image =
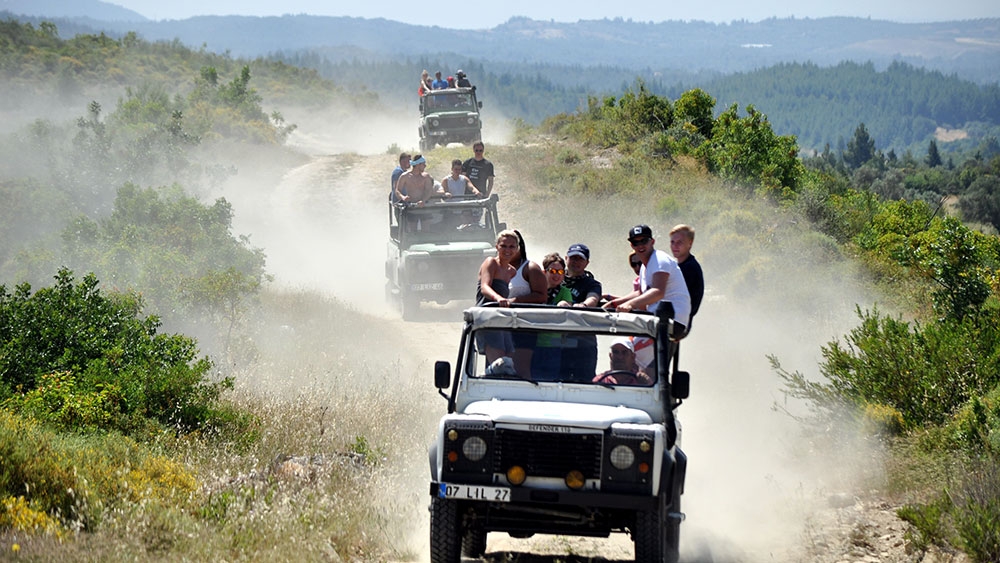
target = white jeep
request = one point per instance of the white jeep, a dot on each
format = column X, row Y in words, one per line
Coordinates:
column 539, row 441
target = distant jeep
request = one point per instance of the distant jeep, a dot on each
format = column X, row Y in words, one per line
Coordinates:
column 539, row 443
column 449, row 116
column 435, row 251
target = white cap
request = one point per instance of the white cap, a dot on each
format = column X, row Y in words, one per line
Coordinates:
column 624, row 341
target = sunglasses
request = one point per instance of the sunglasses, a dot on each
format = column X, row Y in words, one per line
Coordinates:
column 636, row 264
column 477, row 150
column 639, row 241
column 559, row 271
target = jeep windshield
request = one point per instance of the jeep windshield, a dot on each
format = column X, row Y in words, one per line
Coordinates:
column 447, row 101
column 444, row 222
column 561, row 345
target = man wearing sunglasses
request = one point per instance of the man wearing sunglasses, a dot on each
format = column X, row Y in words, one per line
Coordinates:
column 660, row 279
column 479, row 170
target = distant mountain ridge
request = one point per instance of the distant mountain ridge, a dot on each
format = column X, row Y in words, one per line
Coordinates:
column 968, row 48
column 94, row 9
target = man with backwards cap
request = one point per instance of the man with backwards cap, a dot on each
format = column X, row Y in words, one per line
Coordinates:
column 579, row 356
column 660, row 279
column 461, row 80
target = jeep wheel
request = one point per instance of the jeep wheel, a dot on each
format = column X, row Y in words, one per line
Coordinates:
column 409, row 306
column 474, row 543
column 445, row 540
column 425, row 145
column 657, row 534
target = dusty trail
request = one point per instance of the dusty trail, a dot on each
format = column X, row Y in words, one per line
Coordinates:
column 324, row 229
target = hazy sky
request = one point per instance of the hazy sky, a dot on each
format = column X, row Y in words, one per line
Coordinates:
column 476, row 15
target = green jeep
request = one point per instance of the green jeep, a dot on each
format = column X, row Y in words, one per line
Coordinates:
column 449, row 116
column 435, row 250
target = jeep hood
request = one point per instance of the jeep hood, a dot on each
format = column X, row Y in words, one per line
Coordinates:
column 561, row 414
column 436, row 247
column 450, row 113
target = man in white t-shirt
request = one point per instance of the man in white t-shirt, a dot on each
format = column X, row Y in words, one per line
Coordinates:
column 660, row 279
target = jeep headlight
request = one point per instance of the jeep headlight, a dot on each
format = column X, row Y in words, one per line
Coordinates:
column 474, row 448
column 468, row 451
column 435, row 123
column 471, row 120
column 622, row 457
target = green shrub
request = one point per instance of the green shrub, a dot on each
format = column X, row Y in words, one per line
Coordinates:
column 73, row 479
column 978, row 524
column 882, row 420
column 568, row 156
column 180, row 251
column 929, row 521
column 926, row 372
column 80, row 359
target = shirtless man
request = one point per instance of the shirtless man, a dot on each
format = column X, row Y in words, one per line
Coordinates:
column 416, row 185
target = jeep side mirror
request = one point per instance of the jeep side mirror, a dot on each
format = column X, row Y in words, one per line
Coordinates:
column 501, row 226
column 480, row 105
column 442, row 374
column 680, row 387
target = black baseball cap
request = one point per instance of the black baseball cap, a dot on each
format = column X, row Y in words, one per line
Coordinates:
column 640, row 231
column 579, row 249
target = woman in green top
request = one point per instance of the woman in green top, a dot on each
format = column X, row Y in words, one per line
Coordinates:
column 548, row 352
column 555, row 272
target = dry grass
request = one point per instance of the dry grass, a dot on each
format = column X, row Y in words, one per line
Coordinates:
column 338, row 471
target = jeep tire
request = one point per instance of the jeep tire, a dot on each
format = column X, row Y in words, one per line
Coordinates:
column 446, row 542
column 657, row 532
column 409, row 305
column 474, row 543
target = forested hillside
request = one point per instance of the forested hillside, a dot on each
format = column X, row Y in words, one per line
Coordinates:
column 902, row 106
column 969, row 48
column 849, row 71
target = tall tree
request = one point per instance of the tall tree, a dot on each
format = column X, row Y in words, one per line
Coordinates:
column 695, row 106
column 933, row 156
column 860, row 149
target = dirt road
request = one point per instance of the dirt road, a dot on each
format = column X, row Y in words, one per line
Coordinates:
column 754, row 491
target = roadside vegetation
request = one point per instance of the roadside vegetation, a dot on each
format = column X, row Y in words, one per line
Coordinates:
column 925, row 380
column 117, row 438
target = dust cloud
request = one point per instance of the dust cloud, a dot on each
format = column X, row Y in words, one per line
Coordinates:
column 753, row 481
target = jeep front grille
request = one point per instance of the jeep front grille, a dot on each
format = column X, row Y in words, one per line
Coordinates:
column 543, row 454
column 454, row 270
column 452, row 122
